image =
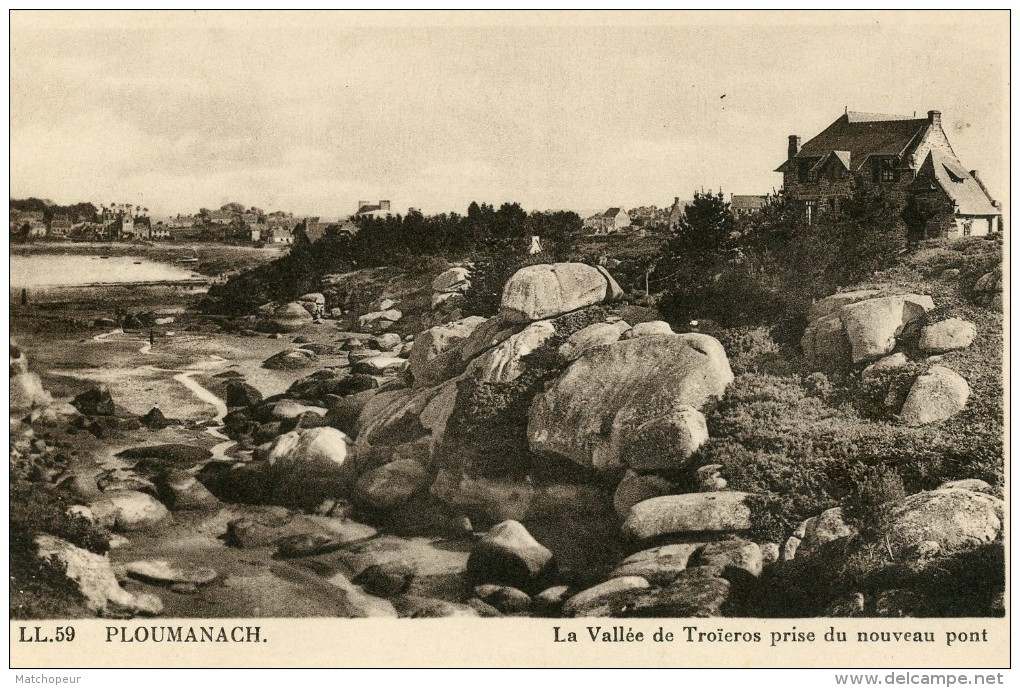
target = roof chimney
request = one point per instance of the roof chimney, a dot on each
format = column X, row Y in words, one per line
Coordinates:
column 676, row 200
column 794, row 146
column 935, row 117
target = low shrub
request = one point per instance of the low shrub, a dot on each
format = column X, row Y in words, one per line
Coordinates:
column 39, row 589
column 870, row 501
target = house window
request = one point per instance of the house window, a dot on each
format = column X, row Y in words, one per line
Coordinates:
column 811, row 210
column 832, row 205
column 967, row 226
column 884, row 170
column 804, row 171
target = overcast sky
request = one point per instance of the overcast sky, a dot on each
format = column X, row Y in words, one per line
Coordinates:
column 311, row 113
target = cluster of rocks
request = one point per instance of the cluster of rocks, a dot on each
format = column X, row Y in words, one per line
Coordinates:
column 605, row 416
column 872, row 332
column 382, row 319
column 34, row 459
column 540, row 462
column 449, row 287
column 953, row 518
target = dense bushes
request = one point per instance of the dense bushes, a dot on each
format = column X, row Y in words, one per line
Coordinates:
column 496, row 239
column 771, row 266
column 806, row 443
column 39, row 589
column 967, row 584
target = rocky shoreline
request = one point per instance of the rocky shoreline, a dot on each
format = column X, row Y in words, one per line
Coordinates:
column 541, row 462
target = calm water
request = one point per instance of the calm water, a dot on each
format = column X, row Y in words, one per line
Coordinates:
column 31, row 271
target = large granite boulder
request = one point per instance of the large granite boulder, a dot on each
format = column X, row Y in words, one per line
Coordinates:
column 832, row 305
column 539, row 292
column 988, row 289
column 872, row 325
column 825, row 344
column 290, row 317
column 694, row 593
column 937, row 395
column 597, row 334
column 659, row 565
column 379, row 321
column 858, row 327
column 503, row 362
column 452, row 280
column 240, row 393
column 293, row 359
column 95, row 402
column 954, row 518
column 602, row 404
column 404, row 415
column 508, row 555
column 391, row 485
column 685, row 514
column 947, row 335
column 821, row 529
column 665, row 442
column 729, row 554
column 128, row 510
column 95, row 579
column 646, row 329
column 380, row 365
column 307, row 466
column 584, row 602
column 433, row 343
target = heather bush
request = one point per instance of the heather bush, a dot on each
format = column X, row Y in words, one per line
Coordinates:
column 39, row 589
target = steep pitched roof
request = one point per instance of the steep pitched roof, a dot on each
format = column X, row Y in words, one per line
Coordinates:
column 738, row 202
column 965, row 191
column 857, row 135
column 612, row 212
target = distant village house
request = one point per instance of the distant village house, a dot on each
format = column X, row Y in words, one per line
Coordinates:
column 367, row 209
column 60, row 224
column 608, row 222
column 743, row 205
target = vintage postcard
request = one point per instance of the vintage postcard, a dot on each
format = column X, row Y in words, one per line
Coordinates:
column 499, row 339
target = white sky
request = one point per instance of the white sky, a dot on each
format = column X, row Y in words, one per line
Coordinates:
column 313, row 112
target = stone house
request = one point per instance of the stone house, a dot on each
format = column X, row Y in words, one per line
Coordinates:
column 367, row 209
column 182, row 222
column 60, row 224
column 744, row 205
column 910, row 158
column 280, row 234
column 221, row 217
column 612, row 220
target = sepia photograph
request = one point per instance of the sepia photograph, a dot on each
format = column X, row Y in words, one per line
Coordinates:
column 539, row 320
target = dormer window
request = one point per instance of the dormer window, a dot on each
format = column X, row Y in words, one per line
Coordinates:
column 884, row 170
column 804, row 171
